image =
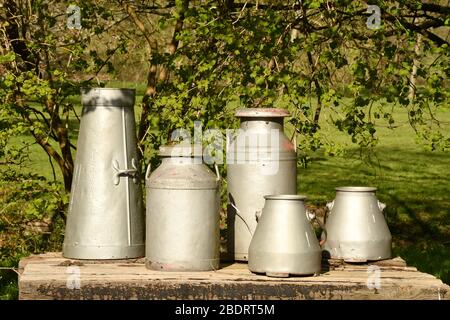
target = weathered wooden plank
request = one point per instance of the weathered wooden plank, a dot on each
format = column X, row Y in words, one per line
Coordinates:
column 224, row 290
column 114, row 270
column 46, row 277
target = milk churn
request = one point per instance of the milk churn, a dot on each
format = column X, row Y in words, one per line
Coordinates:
column 182, row 212
column 356, row 227
column 261, row 160
column 106, row 217
column 284, row 242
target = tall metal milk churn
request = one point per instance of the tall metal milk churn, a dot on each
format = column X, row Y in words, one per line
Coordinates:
column 284, row 242
column 182, row 212
column 261, row 161
column 356, row 227
column 106, row 218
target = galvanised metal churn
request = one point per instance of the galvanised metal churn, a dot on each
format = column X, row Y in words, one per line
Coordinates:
column 182, row 212
column 261, row 160
column 284, row 242
column 356, row 228
column 106, row 217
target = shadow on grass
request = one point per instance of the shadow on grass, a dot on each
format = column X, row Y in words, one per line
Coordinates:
column 433, row 258
column 422, row 241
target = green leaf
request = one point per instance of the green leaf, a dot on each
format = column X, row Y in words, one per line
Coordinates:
column 9, row 57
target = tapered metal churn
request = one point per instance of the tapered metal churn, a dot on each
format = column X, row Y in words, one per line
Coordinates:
column 106, row 218
column 284, row 242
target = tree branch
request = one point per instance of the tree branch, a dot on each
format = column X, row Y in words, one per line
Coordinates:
column 163, row 75
column 138, row 22
column 430, row 7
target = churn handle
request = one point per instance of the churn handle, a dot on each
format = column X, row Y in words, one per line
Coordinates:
column 216, row 167
column 237, row 212
column 382, row 206
column 330, row 205
column 258, row 214
column 312, row 216
column 148, row 171
column 294, row 141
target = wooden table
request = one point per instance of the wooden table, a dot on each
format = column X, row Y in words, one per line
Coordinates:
column 49, row 276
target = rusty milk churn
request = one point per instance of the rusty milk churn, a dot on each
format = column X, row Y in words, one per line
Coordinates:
column 284, row 242
column 356, row 229
column 261, row 161
column 106, row 217
column 182, row 212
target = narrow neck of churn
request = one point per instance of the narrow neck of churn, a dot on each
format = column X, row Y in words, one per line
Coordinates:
column 265, row 123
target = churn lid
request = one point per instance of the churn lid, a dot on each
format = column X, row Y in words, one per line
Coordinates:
column 182, row 169
column 107, row 97
column 262, row 112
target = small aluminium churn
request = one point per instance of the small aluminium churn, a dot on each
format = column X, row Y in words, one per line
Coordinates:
column 356, row 226
column 106, row 217
column 261, row 160
column 182, row 212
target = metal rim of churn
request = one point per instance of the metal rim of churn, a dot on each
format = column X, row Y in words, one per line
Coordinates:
column 285, row 197
column 108, row 97
column 356, row 189
column 262, row 112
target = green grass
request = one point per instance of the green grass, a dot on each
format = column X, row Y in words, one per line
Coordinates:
column 8, row 286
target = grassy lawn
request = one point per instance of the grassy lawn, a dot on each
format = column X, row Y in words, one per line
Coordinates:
column 413, row 182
